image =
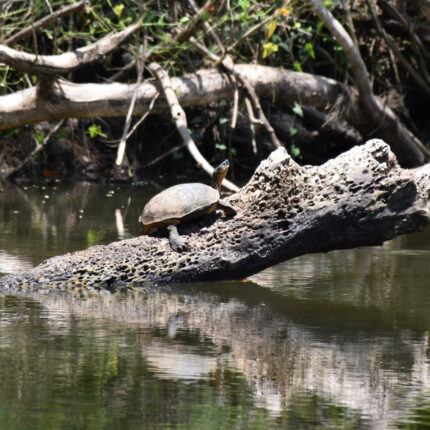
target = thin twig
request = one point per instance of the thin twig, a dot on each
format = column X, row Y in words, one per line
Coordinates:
column 143, row 117
column 228, row 65
column 123, row 142
column 252, row 122
column 45, row 21
column 235, row 105
column 423, row 83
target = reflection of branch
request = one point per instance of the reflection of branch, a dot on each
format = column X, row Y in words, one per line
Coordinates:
column 45, row 21
column 67, row 62
column 180, row 119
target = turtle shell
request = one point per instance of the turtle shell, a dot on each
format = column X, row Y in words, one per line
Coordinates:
column 177, row 203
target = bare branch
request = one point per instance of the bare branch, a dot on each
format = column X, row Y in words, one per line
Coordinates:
column 180, row 119
column 228, row 65
column 67, row 62
column 416, row 76
column 382, row 121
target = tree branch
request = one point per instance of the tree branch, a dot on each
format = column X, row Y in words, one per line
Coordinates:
column 67, row 62
column 382, row 120
column 180, row 119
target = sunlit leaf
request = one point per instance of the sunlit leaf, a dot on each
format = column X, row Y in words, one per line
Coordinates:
column 297, row 109
column 118, row 10
column 244, row 4
column 310, row 50
column 271, row 28
column 269, row 48
column 92, row 237
column 95, row 130
column 297, row 66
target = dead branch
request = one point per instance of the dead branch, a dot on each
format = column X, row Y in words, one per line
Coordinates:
column 227, row 64
column 67, row 62
column 178, row 115
column 123, row 142
column 382, row 121
column 416, row 76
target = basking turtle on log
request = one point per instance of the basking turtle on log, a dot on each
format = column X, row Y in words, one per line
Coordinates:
column 184, row 202
column 362, row 197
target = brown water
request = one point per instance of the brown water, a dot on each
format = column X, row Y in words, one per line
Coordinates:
column 336, row 340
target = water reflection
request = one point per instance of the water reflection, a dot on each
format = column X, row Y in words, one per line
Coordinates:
column 40, row 221
column 330, row 340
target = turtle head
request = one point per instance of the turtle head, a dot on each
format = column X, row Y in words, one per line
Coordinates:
column 219, row 174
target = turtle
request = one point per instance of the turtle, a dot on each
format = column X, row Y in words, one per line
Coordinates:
column 183, row 202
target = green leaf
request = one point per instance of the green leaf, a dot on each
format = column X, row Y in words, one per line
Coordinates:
column 95, row 130
column 221, row 146
column 297, row 109
column 39, row 137
column 293, row 130
column 205, row 16
column 297, row 66
column 244, row 4
column 310, row 50
column 118, row 10
column 295, row 150
column 269, row 48
column 271, row 28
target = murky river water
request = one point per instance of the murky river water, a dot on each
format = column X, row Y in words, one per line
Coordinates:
column 337, row 340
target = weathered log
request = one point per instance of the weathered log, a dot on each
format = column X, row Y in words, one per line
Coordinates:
column 360, row 198
column 68, row 100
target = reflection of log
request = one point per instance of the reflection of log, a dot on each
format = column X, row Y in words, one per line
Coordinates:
column 360, row 198
column 283, row 346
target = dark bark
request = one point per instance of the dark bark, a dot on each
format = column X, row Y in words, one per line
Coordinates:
column 360, row 198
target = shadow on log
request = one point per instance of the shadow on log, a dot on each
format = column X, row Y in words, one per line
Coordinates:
column 360, row 198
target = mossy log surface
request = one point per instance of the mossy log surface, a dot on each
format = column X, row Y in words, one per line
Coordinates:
column 360, row 198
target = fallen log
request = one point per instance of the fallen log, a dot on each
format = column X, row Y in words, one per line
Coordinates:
column 64, row 100
column 360, row 198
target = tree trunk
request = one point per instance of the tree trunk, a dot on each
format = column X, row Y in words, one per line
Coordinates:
column 360, row 198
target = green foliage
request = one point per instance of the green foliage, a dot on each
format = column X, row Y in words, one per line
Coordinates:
column 95, row 130
column 292, row 37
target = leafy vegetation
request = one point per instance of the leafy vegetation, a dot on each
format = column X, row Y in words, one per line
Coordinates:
column 392, row 37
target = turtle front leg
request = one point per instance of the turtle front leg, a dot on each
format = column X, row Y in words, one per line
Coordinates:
column 175, row 240
column 228, row 210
